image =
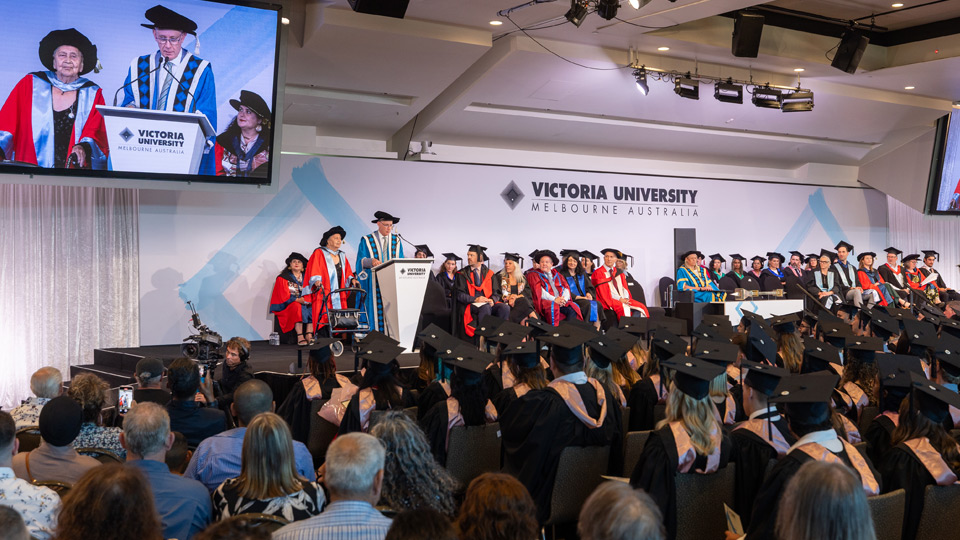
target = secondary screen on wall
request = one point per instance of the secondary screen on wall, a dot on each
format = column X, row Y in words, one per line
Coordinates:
column 946, row 190
column 177, row 90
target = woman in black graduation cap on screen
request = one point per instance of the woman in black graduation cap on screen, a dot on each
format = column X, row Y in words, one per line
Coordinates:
column 688, row 441
column 323, row 378
column 379, row 387
column 467, row 404
column 243, row 149
column 923, row 453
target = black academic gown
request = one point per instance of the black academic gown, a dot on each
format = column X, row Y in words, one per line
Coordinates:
column 521, row 306
column 656, row 472
column 491, row 380
column 503, row 400
column 753, row 456
column 351, row 417
column 538, row 426
column 901, row 469
column 435, row 425
column 431, row 395
column 877, row 436
column 642, row 401
column 763, row 518
column 295, row 409
column 449, row 288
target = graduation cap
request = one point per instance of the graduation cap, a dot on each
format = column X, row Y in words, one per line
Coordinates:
column 717, row 352
column 806, row 398
column 294, row 256
column 437, row 339
column 798, row 254
column 757, row 258
column 721, row 321
column 950, row 327
column 932, row 313
column 750, row 318
column 539, row 327
column 930, row 253
column 899, row 313
column 843, row 244
column 828, row 253
column 584, row 254
column 605, row 350
column 811, row 318
column 163, row 18
column 910, row 257
column 692, row 376
column 763, row 378
column 468, row 358
column 947, row 353
column 375, row 337
column 919, row 333
column 883, row 325
column 508, row 332
column 332, row 231
column 850, row 309
column 760, row 346
column 718, row 257
column 625, row 339
column 488, row 325
column 812, row 256
column 583, row 325
column 525, row 354
column 481, row 251
column 320, row 351
column 895, row 370
column 736, row 256
column 707, row 331
column 423, row 248
column 565, row 253
column 627, row 258
column 451, row 257
column 785, row 324
column 864, row 348
column 634, row 325
column 616, row 252
column 865, row 254
column 566, row 344
column 58, row 38
column 666, row 344
column 381, row 357
column 774, row 255
column 835, row 333
column 933, row 400
column 539, row 254
column 817, row 356
column 894, row 251
column 380, row 215
column 515, row 257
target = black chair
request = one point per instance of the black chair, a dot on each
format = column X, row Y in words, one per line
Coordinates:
column 267, row 522
column 473, row 450
column 659, row 412
column 321, row 435
column 941, row 506
column 29, row 438
column 700, row 499
column 769, row 282
column 632, row 449
column 727, row 283
column 888, row 512
column 666, row 285
column 636, row 291
column 867, row 416
column 100, row 454
column 578, row 474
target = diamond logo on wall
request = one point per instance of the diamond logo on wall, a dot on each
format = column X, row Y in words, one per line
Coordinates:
column 512, row 195
column 126, row 134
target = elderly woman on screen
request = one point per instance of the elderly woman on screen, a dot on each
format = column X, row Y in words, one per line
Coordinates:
column 50, row 118
column 243, row 149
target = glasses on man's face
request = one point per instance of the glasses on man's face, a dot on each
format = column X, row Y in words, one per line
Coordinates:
column 169, row 40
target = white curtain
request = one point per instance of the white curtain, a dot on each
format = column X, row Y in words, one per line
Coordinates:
column 912, row 231
column 68, row 279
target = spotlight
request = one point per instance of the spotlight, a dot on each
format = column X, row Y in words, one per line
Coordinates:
column 577, row 12
column 686, row 87
column 801, row 100
column 766, row 97
column 728, row 92
column 641, row 76
column 607, row 9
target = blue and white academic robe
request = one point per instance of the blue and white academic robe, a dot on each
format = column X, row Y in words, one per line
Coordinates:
column 370, row 249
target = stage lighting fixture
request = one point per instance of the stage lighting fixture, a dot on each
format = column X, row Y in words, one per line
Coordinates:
column 641, row 76
column 577, row 12
column 766, row 97
column 607, row 9
column 801, row 100
column 637, row 4
column 728, row 92
column 686, row 87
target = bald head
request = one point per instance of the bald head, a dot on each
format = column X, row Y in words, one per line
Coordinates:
column 46, row 382
column 252, row 398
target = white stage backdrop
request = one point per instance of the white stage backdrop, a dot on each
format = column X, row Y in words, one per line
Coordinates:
column 223, row 251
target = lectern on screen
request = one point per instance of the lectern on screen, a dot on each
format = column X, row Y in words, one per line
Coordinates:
column 150, row 89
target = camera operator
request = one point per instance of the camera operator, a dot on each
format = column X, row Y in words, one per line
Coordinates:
column 235, row 370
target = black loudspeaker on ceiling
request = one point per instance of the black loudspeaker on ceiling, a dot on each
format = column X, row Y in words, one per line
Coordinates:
column 387, row 8
column 850, row 51
column 747, row 29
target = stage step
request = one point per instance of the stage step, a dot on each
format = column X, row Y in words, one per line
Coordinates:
column 114, row 377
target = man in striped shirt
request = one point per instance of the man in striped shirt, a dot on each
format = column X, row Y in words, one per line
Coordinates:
column 353, row 474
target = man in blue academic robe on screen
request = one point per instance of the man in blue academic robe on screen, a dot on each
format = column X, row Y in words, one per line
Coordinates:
column 377, row 248
column 173, row 79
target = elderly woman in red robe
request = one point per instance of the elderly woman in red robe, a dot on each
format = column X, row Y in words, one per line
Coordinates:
column 551, row 295
column 329, row 269
column 50, row 118
column 290, row 301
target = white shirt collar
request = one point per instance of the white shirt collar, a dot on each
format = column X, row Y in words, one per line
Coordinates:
column 827, row 438
column 762, row 412
column 577, row 377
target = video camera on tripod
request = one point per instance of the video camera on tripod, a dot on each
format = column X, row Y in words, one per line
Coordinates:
column 204, row 346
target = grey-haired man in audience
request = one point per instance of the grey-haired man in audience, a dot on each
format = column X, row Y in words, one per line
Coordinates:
column 46, row 383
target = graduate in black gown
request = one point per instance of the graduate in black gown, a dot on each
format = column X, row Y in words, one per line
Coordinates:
column 522, row 361
column 688, row 441
column 652, row 389
column 323, row 378
column 806, row 402
column 379, row 389
column 573, row 410
column 895, row 384
column 923, row 453
column 723, row 355
column 498, row 333
column 510, row 287
column 447, row 277
column 467, row 404
column 763, row 437
column 436, row 343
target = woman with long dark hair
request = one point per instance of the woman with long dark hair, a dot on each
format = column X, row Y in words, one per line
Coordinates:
column 379, row 390
column 581, row 287
column 524, row 366
column 243, row 149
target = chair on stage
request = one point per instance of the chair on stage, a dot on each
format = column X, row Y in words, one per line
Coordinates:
column 578, row 474
column 941, row 506
column 888, row 512
column 700, row 499
column 473, row 450
column 769, row 282
column 632, row 449
column 666, row 286
column 727, row 284
column 637, row 293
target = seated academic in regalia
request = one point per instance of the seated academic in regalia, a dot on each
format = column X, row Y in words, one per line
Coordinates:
column 895, row 384
column 319, row 384
column 772, row 277
column 806, row 402
column 764, row 436
column 581, row 286
column 552, row 298
column 511, row 288
column 474, row 294
column 379, row 389
column 467, row 404
column 734, row 278
column 824, row 284
column 693, row 277
column 612, row 291
column 652, row 389
column 574, row 410
column 689, row 440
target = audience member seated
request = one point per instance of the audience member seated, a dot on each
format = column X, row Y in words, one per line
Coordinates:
column 194, row 419
column 150, row 382
column 420, row 525
column 412, row 478
column 824, row 500
column 178, row 456
column 110, row 503
column 497, row 507
column 353, row 475
column 56, row 459
column 218, row 458
column 269, row 481
column 235, row 529
column 90, row 392
column 12, row 526
column 380, row 389
column 234, row 370
column 615, row 511
column 524, row 366
column 37, row 506
column 183, row 504
column 46, row 383
column 319, row 385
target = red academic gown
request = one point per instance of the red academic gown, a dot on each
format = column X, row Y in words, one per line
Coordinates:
column 317, row 266
column 284, row 288
column 601, row 280
column 16, row 119
column 546, row 310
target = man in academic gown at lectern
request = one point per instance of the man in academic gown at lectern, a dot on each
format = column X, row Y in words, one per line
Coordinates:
column 374, row 249
column 574, row 410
